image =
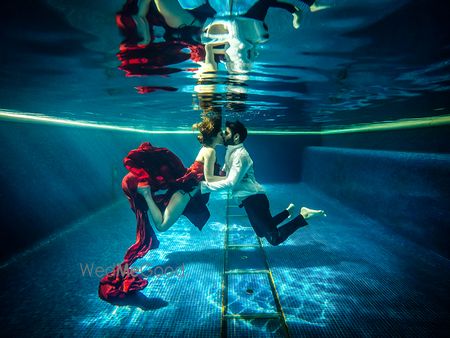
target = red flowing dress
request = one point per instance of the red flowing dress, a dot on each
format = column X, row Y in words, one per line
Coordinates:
column 162, row 170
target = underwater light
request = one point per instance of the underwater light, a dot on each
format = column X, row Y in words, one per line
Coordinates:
column 20, row 116
column 422, row 122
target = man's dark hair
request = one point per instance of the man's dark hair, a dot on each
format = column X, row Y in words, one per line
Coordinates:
column 237, row 127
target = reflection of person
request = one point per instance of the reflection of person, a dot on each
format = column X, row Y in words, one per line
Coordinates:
column 156, row 58
column 259, row 10
column 237, row 37
column 250, row 194
column 178, row 22
column 184, row 188
column 175, row 17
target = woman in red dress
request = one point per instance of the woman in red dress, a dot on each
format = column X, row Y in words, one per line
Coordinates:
column 153, row 169
column 203, row 168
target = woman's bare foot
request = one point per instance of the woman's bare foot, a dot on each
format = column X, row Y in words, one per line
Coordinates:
column 309, row 213
column 290, row 209
column 297, row 18
column 144, row 190
column 142, row 30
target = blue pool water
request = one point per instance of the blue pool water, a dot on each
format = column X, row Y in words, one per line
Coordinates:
column 349, row 64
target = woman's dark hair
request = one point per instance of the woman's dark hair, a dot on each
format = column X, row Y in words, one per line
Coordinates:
column 237, row 127
column 208, row 128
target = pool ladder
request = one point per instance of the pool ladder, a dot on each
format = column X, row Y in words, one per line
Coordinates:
column 231, row 211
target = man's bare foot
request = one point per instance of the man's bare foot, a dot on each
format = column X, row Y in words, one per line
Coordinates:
column 290, row 209
column 318, row 7
column 309, row 213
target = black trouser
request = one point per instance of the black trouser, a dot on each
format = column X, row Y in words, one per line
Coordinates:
column 259, row 10
column 265, row 225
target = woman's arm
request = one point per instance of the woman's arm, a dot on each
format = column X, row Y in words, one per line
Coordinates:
column 209, row 159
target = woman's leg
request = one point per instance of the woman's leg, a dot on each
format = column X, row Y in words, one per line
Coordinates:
column 142, row 27
column 155, row 213
column 174, row 14
column 173, row 211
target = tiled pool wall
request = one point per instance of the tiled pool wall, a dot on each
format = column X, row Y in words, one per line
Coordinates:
column 53, row 175
column 401, row 179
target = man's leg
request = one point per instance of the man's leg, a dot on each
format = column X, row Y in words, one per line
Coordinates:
column 289, row 228
column 277, row 219
column 258, row 211
column 283, row 232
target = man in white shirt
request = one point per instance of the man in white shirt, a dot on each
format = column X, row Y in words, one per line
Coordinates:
column 248, row 193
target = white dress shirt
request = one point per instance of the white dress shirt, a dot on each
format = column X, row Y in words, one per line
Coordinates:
column 240, row 175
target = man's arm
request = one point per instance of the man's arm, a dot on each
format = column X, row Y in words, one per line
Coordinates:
column 237, row 171
column 224, row 168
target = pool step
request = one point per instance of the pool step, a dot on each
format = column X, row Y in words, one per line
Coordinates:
column 248, row 289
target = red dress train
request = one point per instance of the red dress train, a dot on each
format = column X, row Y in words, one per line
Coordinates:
column 162, row 170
